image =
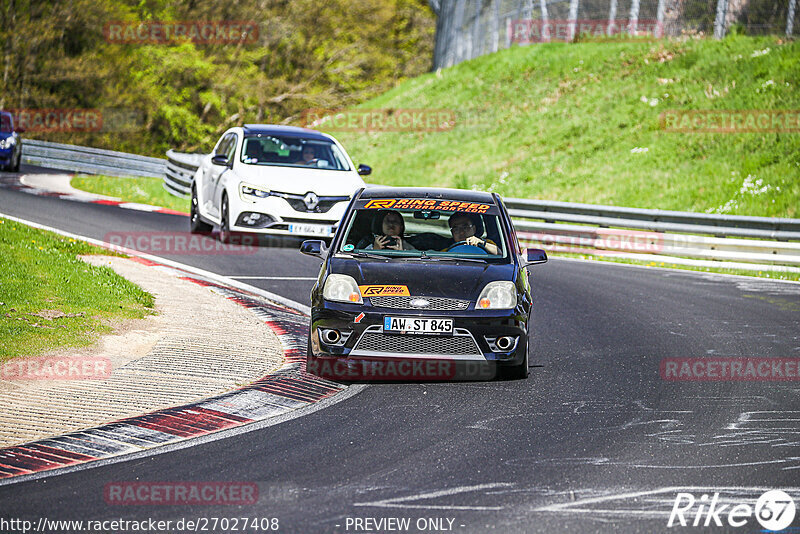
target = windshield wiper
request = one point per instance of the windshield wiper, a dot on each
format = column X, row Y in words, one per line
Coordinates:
column 425, row 257
column 368, row 255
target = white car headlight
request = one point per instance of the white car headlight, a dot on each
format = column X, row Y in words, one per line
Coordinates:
column 498, row 295
column 249, row 190
column 8, row 142
column 342, row 288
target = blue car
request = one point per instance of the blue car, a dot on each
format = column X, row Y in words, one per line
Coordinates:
column 421, row 284
column 10, row 143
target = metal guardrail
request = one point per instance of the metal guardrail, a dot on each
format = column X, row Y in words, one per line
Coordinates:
column 656, row 220
column 90, row 160
column 557, row 226
column 607, row 230
column 180, row 171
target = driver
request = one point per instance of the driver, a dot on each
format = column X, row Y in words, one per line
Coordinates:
column 309, row 157
column 463, row 227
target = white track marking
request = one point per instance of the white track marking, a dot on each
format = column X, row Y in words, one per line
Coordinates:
column 398, row 502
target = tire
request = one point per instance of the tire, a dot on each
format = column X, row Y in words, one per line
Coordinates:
column 311, row 361
column 224, row 222
column 518, row 372
column 15, row 167
column 196, row 225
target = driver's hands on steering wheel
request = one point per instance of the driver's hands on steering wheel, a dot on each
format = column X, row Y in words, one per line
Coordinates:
column 475, row 241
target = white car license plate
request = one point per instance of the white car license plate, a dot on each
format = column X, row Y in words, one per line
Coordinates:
column 316, row 229
column 417, row 325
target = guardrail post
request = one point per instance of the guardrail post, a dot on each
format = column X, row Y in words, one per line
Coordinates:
column 573, row 18
column 719, row 22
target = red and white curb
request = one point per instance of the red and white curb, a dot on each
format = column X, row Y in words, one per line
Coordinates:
column 17, row 183
column 272, row 397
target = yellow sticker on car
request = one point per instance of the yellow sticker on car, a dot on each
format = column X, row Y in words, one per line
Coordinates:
column 384, row 291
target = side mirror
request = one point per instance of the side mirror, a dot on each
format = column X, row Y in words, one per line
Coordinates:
column 364, row 170
column 536, row 255
column 220, row 159
column 314, row 247
column 20, row 130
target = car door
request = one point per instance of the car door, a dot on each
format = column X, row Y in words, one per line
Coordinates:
column 219, row 179
column 212, row 175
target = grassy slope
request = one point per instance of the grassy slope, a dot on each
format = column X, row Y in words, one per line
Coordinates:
column 559, row 121
column 40, row 271
column 142, row 190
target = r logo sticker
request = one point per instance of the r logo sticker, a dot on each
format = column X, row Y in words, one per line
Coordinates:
column 380, row 203
column 381, row 291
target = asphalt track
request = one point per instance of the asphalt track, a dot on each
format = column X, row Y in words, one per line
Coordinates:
column 594, row 441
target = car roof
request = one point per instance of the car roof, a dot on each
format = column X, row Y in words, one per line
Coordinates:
column 428, row 192
column 278, row 129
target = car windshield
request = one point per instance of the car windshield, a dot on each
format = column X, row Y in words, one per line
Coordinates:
column 5, row 123
column 287, row 151
column 449, row 232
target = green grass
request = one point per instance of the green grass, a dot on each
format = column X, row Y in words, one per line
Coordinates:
column 141, row 190
column 561, row 121
column 41, row 277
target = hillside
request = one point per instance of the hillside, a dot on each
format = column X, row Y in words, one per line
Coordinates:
column 580, row 123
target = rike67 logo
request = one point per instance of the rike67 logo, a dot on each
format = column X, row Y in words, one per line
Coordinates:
column 774, row 511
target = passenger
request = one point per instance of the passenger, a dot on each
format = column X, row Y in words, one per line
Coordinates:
column 463, row 227
column 391, row 231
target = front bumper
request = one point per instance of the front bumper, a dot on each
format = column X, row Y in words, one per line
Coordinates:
column 471, row 352
column 276, row 216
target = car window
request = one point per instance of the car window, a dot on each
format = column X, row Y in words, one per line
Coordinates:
column 288, row 151
column 6, row 124
column 427, row 232
column 231, row 147
column 223, row 145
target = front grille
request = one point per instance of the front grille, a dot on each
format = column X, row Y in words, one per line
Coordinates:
column 324, row 206
column 404, row 303
column 376, row 342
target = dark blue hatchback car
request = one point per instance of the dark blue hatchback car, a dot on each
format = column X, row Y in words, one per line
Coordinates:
column 10, row 143
column 421, row 284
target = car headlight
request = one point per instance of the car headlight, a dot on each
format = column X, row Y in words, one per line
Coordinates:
column 249, row 190
column 8, row 142
column 342, row 288
column 499, row 295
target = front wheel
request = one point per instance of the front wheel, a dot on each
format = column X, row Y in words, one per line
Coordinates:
column 15, row 166
column 224, row 222
column 196, row 225
column 518, row 372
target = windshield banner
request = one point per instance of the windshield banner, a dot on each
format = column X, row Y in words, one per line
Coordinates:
column 432, row 204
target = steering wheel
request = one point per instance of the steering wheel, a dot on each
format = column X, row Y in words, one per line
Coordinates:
column 312, row 161
column 482, row 246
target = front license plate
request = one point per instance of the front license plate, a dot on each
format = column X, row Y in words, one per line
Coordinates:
column 315, row 229
column 417, row 325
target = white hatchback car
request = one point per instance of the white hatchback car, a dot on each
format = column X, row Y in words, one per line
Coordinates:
column 269, row 179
